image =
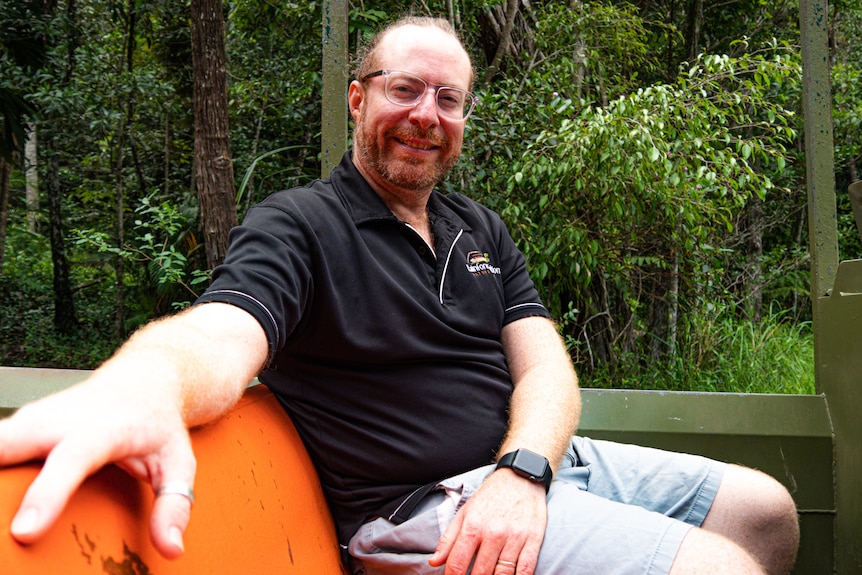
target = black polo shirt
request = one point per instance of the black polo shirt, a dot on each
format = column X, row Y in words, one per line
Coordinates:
column 387, row 358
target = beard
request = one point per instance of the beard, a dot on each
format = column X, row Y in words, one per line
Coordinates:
column 407, row 173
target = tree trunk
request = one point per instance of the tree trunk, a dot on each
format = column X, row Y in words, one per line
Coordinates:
column 505, row 42
column 579, row 54
column 166, row 186
column 671, row 22
column 213, row 165
column 64, row 306
column 754, row 265
column 119, row 268
column 5, row 181
column 31, row 174
column 673, row 305
column 692, row 35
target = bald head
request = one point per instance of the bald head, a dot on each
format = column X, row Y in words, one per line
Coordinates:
column 368, row 56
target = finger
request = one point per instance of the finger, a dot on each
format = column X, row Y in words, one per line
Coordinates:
column 463, row 550
column 22, row 440
column 505, row 567
column 444, row 544
column 65, row 469
column 172, row 511
column 529, row 557
column 168, row 523
column 494, row 555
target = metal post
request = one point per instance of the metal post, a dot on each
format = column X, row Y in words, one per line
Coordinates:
column 819, row 161
column 836, row 292
column 333, row 137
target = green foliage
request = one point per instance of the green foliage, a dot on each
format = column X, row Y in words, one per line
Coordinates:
column 26, row 324
column 631, row 173
column 164, row 244
column 632, row 213
column 720, row 353
column 661, row 171
column 847, row 123
column 274, row 94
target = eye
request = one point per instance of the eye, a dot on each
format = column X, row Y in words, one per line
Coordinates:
column 405, row 89
column 450, row 99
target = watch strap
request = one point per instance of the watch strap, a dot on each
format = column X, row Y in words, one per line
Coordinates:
column 545, row 476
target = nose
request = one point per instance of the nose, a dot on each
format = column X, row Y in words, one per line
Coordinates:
column 424, row 113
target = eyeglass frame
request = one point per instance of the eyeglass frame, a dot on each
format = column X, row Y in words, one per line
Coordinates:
column 436, row 87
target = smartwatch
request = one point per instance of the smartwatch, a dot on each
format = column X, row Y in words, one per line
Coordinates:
column 530, row 465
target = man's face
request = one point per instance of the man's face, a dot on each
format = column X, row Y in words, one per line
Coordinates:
column 409, row 149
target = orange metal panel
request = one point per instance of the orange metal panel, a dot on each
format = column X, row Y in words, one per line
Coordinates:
column 258, row 509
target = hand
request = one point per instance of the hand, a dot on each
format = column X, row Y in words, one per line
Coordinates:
column 502, row 527
column 87, row 426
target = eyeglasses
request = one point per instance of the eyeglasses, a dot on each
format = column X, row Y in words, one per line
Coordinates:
column 406, row 89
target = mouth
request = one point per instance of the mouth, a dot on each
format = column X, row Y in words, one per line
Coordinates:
column 415, row 144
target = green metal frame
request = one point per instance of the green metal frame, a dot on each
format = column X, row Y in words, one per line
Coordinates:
column 336, row 69
column 836, row 292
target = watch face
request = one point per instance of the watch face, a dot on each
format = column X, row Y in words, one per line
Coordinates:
column 530, row 463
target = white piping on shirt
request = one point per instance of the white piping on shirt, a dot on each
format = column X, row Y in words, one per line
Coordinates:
column 446, row 265
column 255, row 301
column 529, row 304
column 430, row 247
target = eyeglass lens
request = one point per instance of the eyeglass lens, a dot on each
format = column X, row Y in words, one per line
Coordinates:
column 406, row 89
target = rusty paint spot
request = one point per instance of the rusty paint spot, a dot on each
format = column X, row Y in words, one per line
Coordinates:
column 84, row 552
column 132, row 564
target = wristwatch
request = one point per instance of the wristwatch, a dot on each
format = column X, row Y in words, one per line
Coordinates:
column 529, row 465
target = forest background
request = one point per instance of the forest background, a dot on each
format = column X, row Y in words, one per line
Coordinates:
column 647, row 157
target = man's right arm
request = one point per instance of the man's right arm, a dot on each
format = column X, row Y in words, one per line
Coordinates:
column 134, row 411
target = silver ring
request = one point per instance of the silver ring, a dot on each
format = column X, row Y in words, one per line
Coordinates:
column 177, row 488
column 506, row 563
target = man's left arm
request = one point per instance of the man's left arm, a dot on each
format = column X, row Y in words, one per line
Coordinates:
column 503, row 524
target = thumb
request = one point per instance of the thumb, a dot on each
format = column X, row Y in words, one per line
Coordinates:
column 173, row 503
column 447, row 540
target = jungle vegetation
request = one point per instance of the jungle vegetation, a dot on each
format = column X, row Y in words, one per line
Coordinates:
column 646, row 155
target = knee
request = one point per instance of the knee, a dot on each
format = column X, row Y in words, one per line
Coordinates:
column 759, row 513
column 770, row 505
column 753, row 502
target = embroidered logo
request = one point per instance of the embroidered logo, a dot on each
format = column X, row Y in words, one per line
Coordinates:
column 479, row 264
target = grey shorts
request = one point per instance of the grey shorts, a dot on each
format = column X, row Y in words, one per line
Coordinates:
column 612, row 509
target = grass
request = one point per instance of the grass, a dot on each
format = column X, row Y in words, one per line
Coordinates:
column 725, row 355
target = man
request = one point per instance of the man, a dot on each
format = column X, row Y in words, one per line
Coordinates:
column 400, row 330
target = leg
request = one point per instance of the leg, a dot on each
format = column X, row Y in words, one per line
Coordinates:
column 588, row 534
column 747, row 518
column 755, row 511
column 707, row 553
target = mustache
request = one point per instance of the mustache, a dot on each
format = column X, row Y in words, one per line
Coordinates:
column 433, row 137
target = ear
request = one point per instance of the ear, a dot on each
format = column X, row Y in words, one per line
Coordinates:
column 355, row 96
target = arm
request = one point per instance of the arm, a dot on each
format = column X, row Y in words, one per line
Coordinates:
column 506, row 517
column 135, row 411
column 546, row 403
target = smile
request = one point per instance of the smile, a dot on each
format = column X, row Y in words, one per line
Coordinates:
column 418, row 145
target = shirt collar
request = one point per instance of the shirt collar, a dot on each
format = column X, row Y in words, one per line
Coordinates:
column 364, row 205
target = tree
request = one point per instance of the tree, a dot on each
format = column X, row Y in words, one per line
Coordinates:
column 627, row 210
column 5, row 177
column 213, row 164
column 21, row 53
